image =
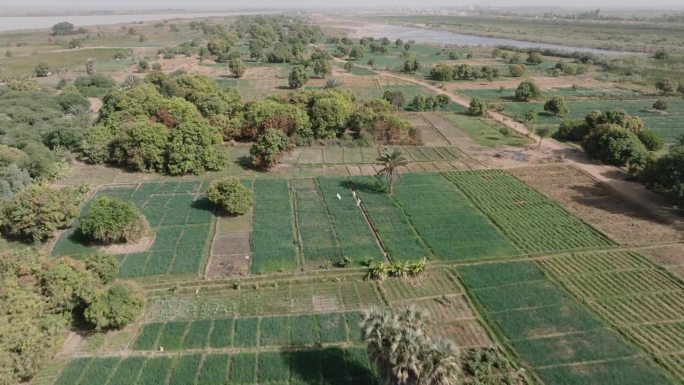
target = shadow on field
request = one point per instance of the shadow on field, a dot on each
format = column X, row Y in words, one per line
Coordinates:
column 202, row 204
column 330, row 366
column 370, row 186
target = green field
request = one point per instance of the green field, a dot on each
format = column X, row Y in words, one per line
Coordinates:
column 341, row 365
column 180, row 218
column 550, row 330
column 283, row 331
column 532, row 221
column 569, row 93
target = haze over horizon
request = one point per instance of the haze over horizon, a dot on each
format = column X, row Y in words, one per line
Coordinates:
column 89, row 5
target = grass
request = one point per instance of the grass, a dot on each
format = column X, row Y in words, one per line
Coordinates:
column 568, row 93
column 222, row 333
column 634, row 371
column 128, row 372
column 99, row 371
column 185, row 369
column 531, row 220
column 448, row 223
column 485, row 132
column 273, row 366
column 156, row 370
column 246, row 332
column 214, row 370
column 275, row 331
column 332, row 327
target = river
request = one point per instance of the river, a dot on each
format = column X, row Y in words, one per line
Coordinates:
column 432, row 36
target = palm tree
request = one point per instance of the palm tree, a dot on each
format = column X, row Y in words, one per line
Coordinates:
column 391, row 160
column 442, row 366
column 403, row 354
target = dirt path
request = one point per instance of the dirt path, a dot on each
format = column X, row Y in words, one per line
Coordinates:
column 612, row 177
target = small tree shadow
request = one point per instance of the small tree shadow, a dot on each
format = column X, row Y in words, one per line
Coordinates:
column 202, row 203
column 370, row 186
column 330, row 366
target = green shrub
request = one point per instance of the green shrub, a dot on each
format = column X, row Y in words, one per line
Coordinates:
column 94, row 86
column 574, row 130
column 267, row 150
column 116, row 307
column 478, row 107
column 651, row 140
column 37, row 212
column 103, row 266
column 661, row 104
column 527, row 90
column 556, row 106
column 111, row 220
column 42, row 70
column 231, row 195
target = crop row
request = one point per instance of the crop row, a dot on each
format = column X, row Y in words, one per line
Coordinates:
column 639, row 299
column 551, row 331
column 355, row 236
column 398, row 235
column 447, row 221
column 318, row 237
column 532, row 221
column 273, row 236
column 316, row 297
column 337, row 365
column 301, row 330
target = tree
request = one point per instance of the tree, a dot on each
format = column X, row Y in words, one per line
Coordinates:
column 665, row 174
column 517, row 70
column 651, row 140
column 37, row 212
column 231, row 195
column 614, row 145
column 395, row 97
column 142, row 146
column 322, row 68
column 527, row 90
column 348, row 66
column 478, row 107
column 297, row 78
column 143, row 65
column 237, row 67
column 42, row 70
column 91, row 66
column 661, row 54
column 63, row 28
column 542, row 132
column 661, row 104
column 115, row 307
column 356, row 53
column 667, row 86
column 112, row 220
column 535, row 57
column 556, row 106
column 391, row 160
column 103, row 266
column 403, row 354
column 442, row 72
column 398, row 43
column 411, row 66
column 268, row 149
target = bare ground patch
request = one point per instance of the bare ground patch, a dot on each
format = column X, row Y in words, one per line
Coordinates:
column 593, row 202
column 143, row 244
column 671, row 257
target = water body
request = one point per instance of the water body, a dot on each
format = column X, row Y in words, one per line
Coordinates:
column 432, row 36
column 12, row 23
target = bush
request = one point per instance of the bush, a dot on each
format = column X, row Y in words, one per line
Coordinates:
column 267, row 150
column 442, row 72
column 667, row 86
column 556, row 106
column 574, row 130
column 535, row 57
column 527, row 90
column 661, row 104
column 103, row 266
column 517, row 70
column 116, row 307
column 94, row 86
column 37, row 212
column 231, row 195
column 651, row 140
column 42, row 70
column 111, row 220
column 478, row 107
column 614, row 145
column 297, row 78
column 69, row 101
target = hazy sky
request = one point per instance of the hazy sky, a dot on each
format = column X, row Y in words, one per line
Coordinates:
column 189, row 4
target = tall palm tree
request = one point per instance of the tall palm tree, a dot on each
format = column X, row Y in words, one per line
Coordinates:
column 390, row 160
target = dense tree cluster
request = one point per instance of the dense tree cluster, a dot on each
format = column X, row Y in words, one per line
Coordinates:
column 429, row 103
column 665, row 174
column 41, row 296
column 527, row 90
column 168, row 124
column 443, row 72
